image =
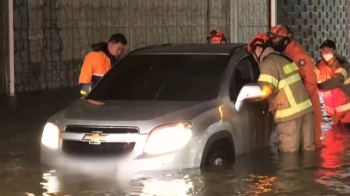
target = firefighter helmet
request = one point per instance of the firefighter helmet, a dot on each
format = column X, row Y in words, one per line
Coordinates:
column 216, row 33
column 258, row 40
column 279, row 31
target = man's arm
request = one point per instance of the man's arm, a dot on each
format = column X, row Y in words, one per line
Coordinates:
column 336, row 81
column 268, row 79
column 86, row 70
column 307, row 73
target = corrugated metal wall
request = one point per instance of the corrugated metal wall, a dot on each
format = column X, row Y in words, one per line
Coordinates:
column 313, row 21
column 52, row 37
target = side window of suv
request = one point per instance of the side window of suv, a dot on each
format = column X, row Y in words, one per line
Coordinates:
column 247, row 71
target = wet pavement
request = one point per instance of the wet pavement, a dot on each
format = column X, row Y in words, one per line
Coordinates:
column 323, row 172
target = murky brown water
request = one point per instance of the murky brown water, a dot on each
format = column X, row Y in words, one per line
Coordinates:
column 324, row 172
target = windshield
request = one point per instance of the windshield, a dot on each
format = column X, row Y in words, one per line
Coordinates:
column 163, row 77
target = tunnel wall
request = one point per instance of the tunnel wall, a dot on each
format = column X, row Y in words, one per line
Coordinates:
column 313, row 21
column 52, row 37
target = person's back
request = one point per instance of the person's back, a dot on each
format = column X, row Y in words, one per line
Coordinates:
column 281, row 36
column 99, row 61
column 288, row 99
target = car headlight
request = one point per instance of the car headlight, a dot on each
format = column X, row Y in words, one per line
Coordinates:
column 50, row 137
column 168, row 138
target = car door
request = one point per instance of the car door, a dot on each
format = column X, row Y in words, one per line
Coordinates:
column 260, row 120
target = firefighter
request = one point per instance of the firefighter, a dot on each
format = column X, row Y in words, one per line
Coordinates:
column 281, row 37
column 288, row 99
column 101, row 59
column 334, row 83
column 216, row 37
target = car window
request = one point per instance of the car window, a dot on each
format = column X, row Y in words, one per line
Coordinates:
column 163, row 77
column 247, row 71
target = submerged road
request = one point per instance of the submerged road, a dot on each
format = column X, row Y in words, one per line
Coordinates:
column 324, row 172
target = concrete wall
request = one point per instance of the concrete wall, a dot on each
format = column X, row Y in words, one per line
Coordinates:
column 253, row 18
column 313, row 21
column 52, row 37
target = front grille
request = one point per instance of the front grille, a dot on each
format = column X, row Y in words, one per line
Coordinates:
column 78, row 148
column 89, row 129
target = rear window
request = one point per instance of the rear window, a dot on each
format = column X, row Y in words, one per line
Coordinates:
column 163, row 77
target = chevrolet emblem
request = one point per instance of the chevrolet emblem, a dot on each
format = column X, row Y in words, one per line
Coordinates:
column 95, row 138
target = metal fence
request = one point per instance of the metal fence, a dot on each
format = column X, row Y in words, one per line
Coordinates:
column 53, row 36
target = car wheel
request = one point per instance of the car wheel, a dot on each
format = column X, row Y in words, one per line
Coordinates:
column 220, row 154
column 218, row 159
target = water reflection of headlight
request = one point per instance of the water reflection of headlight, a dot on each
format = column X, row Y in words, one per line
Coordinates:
column 263, row 184
column 51, row 184
column 174, row 187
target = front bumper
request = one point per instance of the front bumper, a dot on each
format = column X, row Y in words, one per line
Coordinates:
column 136, row 161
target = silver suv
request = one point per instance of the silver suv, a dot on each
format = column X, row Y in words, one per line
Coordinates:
column 164, row 107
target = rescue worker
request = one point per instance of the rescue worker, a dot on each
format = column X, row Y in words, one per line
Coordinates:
column 101, row 59
column 281, row 37
column 216, row 37
column 333, row 73
column 288, row 99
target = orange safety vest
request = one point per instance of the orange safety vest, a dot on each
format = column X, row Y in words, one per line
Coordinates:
column 336, row 73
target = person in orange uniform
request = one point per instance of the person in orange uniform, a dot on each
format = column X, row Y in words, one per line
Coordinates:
column 281, row 36
column 216, row 37
column 101, row 59
column 333, row 73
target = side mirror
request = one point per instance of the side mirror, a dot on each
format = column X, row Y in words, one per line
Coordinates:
column 251, row 92
column 85, row 90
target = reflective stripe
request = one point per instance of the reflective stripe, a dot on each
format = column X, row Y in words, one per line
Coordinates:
column 294, row 107
column 284, row 84
column 343, row 108
column 289, row 68
column 290, row 96
column 342, row 71
column 329, row 110
column 347, row 81
column 288, row 81
column 268, row 79
column 96, row 74
column 293, row 110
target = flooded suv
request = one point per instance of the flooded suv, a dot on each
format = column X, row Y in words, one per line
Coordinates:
column 164, row 107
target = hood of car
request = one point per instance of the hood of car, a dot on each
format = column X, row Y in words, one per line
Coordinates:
column 134, row 110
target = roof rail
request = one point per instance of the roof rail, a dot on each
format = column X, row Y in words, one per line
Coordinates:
column 149, row 47
column 237, row 48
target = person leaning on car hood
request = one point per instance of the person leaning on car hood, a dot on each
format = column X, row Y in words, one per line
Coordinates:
column 101, row 59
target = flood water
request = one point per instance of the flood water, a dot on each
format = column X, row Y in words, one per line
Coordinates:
column 323, row 172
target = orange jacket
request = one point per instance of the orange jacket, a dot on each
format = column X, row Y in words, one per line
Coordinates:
column 306, row 71
column 335, row 83
column 96, row 64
